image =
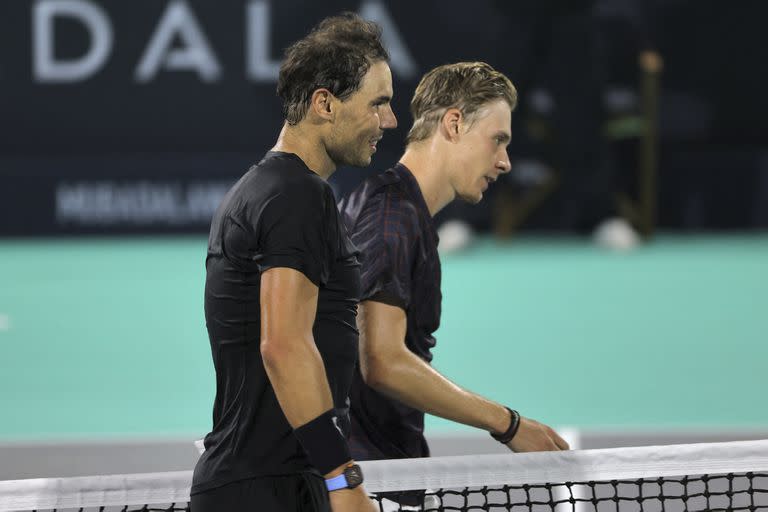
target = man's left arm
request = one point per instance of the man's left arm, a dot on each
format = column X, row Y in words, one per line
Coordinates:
column 388, row 366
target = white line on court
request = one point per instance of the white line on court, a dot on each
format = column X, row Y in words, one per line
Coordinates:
column 5, row 322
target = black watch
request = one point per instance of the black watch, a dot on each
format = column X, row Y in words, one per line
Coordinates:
column 349, row 479
column 514, row 425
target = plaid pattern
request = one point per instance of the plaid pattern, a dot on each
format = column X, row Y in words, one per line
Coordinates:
column 389, row 222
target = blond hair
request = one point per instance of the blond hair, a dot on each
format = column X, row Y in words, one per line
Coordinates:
column 467, row 86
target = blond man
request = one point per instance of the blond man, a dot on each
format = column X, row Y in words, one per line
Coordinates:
column 456, row 148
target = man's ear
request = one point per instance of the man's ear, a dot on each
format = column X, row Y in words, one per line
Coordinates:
column 323, row 104
column 452, row 123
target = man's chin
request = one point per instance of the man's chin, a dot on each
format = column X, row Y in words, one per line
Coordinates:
column 471, row 199
column 363, row 161
column 359, row 160
column 351, row 160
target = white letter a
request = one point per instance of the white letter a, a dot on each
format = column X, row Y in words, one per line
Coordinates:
column 196, row 54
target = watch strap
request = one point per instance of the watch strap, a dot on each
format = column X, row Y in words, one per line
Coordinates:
column 337, row 482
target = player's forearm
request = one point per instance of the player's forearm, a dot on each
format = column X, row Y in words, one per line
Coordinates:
column 296, row 372
column 410, row 380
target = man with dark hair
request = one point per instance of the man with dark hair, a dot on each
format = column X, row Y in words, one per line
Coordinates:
column 282, row 288
column 456, row 148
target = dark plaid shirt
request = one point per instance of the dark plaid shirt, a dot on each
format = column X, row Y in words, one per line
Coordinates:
column 389, row 222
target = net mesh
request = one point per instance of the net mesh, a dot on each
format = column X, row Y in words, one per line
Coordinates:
column 729, row 492
column 705, row 477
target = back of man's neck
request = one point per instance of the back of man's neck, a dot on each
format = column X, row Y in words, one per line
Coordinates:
column 436, row 190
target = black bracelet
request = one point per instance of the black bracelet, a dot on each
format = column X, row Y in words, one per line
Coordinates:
column 324, row 442
column 507, row 436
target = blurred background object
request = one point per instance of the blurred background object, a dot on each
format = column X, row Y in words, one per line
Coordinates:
column 122, row 124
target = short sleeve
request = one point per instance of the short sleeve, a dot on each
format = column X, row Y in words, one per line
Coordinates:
column 293, row 232
column 386, row 236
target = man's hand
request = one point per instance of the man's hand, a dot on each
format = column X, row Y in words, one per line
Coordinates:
column 351, row 500
column 533, row 436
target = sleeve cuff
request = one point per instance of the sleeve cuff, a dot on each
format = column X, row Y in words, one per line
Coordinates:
column 312, row 272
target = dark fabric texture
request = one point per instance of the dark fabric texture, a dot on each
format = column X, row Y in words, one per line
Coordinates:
column 390, row 224
column 303, row 492
column 280, row 214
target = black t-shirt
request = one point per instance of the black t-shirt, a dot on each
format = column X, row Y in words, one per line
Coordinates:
column 279, row 214
column 390, row 224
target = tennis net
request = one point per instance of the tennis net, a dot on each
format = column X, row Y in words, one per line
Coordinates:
column 697, row 477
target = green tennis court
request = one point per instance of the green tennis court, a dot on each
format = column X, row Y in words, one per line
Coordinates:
column 103, row 338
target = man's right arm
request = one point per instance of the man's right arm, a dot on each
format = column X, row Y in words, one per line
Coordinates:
column 388, row 366
column 294, row 365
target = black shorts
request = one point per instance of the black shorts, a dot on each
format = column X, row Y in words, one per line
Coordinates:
column 303, row 492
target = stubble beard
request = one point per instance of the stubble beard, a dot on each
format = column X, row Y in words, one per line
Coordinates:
column 349, row 154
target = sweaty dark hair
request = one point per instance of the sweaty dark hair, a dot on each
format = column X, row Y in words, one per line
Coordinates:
column 335, row 55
